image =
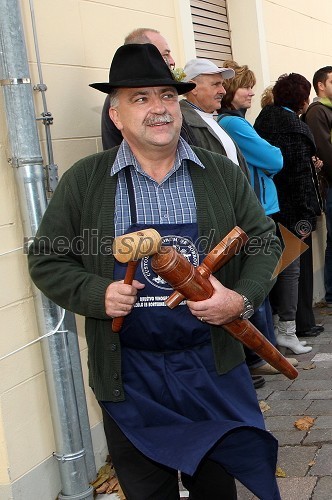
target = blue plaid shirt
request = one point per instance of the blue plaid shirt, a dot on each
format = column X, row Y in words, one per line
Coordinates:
column 170, row 202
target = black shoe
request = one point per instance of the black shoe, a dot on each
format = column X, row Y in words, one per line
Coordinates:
column 313, row 332
column 258, row 381
column 317, row 328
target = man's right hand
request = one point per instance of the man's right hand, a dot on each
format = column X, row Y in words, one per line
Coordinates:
column 120, row 298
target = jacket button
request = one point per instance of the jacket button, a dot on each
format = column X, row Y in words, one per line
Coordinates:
column 115, row 376
column 116, row 392
column 114, row 347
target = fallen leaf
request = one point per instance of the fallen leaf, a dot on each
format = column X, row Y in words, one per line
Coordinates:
column 304, row 423
column 121, row 494
column 280, row 472
column 312, row 463
column 325, row 313
column 102, row 489
column 100, row 480
column 113, row 485
column 320, row 304
column 309, row 367
column 107, row 482
column 264, row 406
column 106, row 469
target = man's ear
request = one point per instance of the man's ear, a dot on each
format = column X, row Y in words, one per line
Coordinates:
column 114, row 116
column 194, row 90
column 321, row 86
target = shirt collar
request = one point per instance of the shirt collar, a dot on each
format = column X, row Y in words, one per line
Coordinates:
column 212, row 115
column 195, row 107
column 125, row 157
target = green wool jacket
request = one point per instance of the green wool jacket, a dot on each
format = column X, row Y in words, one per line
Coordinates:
column 71, row 259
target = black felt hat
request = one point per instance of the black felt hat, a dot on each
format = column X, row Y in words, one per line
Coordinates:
column 140, row 65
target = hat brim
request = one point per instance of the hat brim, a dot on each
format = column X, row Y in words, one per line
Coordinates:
column 226, row 73
column 181, row 87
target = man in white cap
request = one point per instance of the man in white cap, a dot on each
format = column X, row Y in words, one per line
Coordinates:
column 200, row 105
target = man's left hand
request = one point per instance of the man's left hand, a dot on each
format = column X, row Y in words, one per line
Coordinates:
column 224, row 306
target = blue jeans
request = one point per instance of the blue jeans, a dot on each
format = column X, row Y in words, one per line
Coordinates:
column 328, row 251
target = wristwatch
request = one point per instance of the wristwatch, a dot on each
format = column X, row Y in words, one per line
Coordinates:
column 248, row 309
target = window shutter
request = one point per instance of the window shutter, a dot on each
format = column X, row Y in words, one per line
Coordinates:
column 211, row 30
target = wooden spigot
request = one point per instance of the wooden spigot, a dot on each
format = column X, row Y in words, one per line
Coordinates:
column 131, row 248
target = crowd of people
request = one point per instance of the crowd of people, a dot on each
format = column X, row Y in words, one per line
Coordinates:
column 176, row 391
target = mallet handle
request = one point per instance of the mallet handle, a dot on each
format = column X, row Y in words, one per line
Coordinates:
column 250, row 336
column 128, row 279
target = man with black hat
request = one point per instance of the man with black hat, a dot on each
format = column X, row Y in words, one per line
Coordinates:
column 110, row 135
column 174, row 390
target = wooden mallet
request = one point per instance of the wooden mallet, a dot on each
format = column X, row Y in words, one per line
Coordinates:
column 188, row 281
column 130, row 248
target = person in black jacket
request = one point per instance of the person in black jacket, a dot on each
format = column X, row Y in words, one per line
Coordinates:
column 319, row 119
column 297, row 187
column 305, row 318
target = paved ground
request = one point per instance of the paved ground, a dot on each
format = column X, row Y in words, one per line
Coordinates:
column 305, row 457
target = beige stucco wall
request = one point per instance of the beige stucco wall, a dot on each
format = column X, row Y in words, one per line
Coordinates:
column 77, row 39
column 280, row 36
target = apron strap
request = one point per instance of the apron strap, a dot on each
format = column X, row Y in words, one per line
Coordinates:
column 131, row 195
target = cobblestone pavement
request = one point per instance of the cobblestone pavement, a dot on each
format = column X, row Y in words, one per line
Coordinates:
column 305, row 457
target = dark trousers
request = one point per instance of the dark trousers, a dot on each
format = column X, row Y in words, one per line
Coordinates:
column 305, row 318
column 262, row 320
column 328, row 251
column 144, row 479
column 284, row 294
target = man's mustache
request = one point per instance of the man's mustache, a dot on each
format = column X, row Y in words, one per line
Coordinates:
column 159, row 119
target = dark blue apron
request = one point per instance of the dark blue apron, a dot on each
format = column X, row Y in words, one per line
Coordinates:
column 177, row 407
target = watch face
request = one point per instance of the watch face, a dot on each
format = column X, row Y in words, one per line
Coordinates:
column 247, row 314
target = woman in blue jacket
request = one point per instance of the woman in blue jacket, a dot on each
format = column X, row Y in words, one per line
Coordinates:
column 263, row 159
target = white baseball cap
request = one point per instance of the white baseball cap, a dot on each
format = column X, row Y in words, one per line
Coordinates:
column 196, row 67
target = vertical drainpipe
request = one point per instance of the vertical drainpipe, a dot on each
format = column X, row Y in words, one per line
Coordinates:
column 28, row 165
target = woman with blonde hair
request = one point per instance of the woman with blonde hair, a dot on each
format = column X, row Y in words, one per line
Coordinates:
column 263, row 159
column 267, row 96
